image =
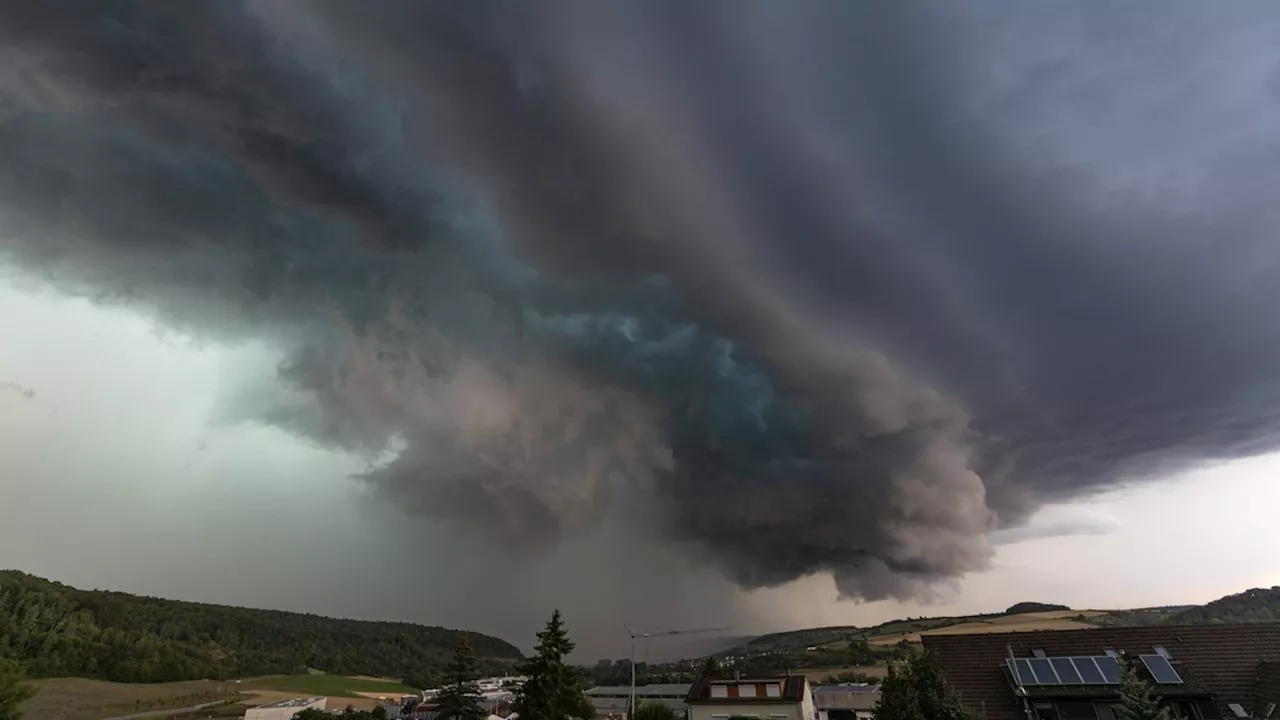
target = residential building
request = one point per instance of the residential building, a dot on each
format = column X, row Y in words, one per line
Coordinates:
column 610, row 701
column 780, row 697
column 846, row 701
column 284, row 710
column 1201, row 672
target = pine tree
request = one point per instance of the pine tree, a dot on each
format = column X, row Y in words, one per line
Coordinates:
column 459, row 699
column 916, row 690
column 551, row 690
column 1136, row 699
column 711, row 666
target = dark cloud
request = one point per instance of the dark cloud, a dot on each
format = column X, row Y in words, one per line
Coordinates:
column 814, row 289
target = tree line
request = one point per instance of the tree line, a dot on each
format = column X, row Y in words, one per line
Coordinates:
column 53, row 630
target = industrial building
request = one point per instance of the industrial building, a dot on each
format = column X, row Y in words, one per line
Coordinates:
column 847, row 701
column 611, row 701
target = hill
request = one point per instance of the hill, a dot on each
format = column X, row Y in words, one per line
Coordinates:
column 1033, row 607
column 894, row 631
column 819, row 646
column 56, row 631
column 1255, row 605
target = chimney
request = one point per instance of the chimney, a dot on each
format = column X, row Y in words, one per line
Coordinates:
column 737, row 674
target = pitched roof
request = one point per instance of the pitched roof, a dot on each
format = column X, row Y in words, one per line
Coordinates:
column 1223, row 658
column 792, row 689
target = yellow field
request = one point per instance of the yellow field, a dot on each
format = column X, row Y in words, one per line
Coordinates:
column 1052, row 620
column 81, row 699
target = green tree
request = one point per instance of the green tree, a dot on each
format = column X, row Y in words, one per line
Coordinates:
column 551, row 691
column 654, row 711
column 12, row 689
column 459, row 699
column 916, row 690
column 711, row 666
column 1136, row 700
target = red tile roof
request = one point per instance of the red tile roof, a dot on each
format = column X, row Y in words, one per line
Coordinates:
column 1225, row 658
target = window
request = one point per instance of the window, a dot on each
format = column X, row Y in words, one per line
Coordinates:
column 720, row 691
column 1076, row 710
column 747, row 691
column 1237, row 709
column 1111, row 652
column 773, row 690
column 1186, row 710
column 719, row 717
column 1105, row 711
column 1045, row 711
column 778, row 717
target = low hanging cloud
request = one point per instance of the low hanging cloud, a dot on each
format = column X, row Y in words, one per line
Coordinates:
column 833, row 288
column 21, row 391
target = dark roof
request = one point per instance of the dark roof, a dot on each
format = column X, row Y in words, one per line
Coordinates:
column 792, row 689
column 1268, row 690
column 1223, row 659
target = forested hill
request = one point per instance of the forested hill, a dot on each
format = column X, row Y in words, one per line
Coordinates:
column 1256, row 605
column 56, row 630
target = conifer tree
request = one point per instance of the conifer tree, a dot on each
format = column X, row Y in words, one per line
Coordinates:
column 1136, row 699
column 460, row 698
column 551, row 690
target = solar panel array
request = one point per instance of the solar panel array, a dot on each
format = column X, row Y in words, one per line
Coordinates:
column 1086, row 670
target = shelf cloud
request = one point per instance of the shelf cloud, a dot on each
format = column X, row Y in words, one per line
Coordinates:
column 832, row 288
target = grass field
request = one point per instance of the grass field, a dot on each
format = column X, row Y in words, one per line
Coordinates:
column 337, row 686
column 1051, row 620
column 80, row 699
column 230, row 710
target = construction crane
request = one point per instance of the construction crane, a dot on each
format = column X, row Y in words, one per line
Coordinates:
column 631, row 708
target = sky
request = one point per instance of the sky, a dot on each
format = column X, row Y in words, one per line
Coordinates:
column 662, row 314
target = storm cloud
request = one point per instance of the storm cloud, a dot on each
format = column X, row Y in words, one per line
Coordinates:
column 821, row 288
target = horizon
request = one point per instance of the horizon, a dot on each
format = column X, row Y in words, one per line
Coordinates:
column 723, row 634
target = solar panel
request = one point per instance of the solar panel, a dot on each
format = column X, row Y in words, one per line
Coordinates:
column 1022, row 670
column 1110, row 668
column 1044, row 671
column 1089, row 672
column 1066, row 671
column 1161, row 670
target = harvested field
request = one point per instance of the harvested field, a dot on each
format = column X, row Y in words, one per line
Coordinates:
column 82, row 699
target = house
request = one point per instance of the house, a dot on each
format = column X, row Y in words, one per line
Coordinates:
column 1201, row 672
column 285, row 709
column 847, row 701
column 610, row 701
column 779, row 697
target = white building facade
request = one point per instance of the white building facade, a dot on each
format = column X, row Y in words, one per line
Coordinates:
column 786, row 697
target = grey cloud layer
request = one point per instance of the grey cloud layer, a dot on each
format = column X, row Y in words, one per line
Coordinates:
column 824, row 287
